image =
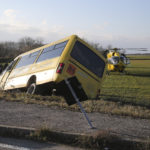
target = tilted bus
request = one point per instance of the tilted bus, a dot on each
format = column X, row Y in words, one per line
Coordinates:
column 44, row 70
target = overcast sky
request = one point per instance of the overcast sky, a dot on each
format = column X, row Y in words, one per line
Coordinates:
column 121, row 23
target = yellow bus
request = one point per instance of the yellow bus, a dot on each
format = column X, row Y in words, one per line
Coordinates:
column 44, row 70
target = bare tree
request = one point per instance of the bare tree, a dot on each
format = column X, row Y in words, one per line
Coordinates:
column 109, row 47
column 7, row 49
column 27, row 43
column 12, row 49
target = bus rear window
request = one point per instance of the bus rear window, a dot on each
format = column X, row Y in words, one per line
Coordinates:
column 88, row 59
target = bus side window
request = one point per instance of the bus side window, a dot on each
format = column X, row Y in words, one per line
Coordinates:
column 52, row 51
column 27, row 59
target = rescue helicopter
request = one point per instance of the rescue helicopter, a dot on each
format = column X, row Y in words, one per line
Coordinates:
column 117, row 61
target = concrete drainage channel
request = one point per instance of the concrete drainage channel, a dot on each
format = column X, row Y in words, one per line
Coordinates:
column 101, row 139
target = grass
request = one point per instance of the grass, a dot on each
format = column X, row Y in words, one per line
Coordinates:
column 140, row 57
column 100, row 140
column 133, row 89
column 126, row 95
column 102, row 106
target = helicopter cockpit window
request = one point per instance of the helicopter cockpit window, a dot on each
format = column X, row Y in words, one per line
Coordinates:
column 116, row 58
column 113, row 60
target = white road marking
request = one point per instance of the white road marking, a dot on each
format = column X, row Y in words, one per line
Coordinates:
column 13, row 147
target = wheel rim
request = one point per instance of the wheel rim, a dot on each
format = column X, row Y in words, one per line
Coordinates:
column 31, row 89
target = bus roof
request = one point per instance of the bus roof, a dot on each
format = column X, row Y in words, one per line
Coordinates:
column 47, row 45
column 59, row 41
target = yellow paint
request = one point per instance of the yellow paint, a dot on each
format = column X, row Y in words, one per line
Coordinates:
column 119, row 67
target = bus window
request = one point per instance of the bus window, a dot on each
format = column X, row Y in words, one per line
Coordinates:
column 52, row 51
column 48, row 49
column 88, row 59
column 27, row 59
column 63, row 44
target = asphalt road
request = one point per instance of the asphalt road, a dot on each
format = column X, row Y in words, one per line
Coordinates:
column 16, row 144
column 37, row 116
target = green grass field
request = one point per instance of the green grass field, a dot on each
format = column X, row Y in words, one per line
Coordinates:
column 133, row 88
column 145, row 56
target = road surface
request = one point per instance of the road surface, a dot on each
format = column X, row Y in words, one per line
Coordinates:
column 54, row 118
column 16, row 144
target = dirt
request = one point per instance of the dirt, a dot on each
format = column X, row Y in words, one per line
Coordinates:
column 37, row 116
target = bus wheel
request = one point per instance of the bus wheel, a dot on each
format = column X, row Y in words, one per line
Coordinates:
column 31, row 88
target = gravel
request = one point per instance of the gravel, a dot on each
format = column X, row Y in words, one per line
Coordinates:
column 54, row 118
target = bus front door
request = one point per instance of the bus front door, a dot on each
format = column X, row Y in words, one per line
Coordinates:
column 6, row 74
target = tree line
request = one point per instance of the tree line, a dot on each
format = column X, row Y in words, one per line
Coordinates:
column 9, row 50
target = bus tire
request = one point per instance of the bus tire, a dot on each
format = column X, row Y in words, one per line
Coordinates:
column 31, row 88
